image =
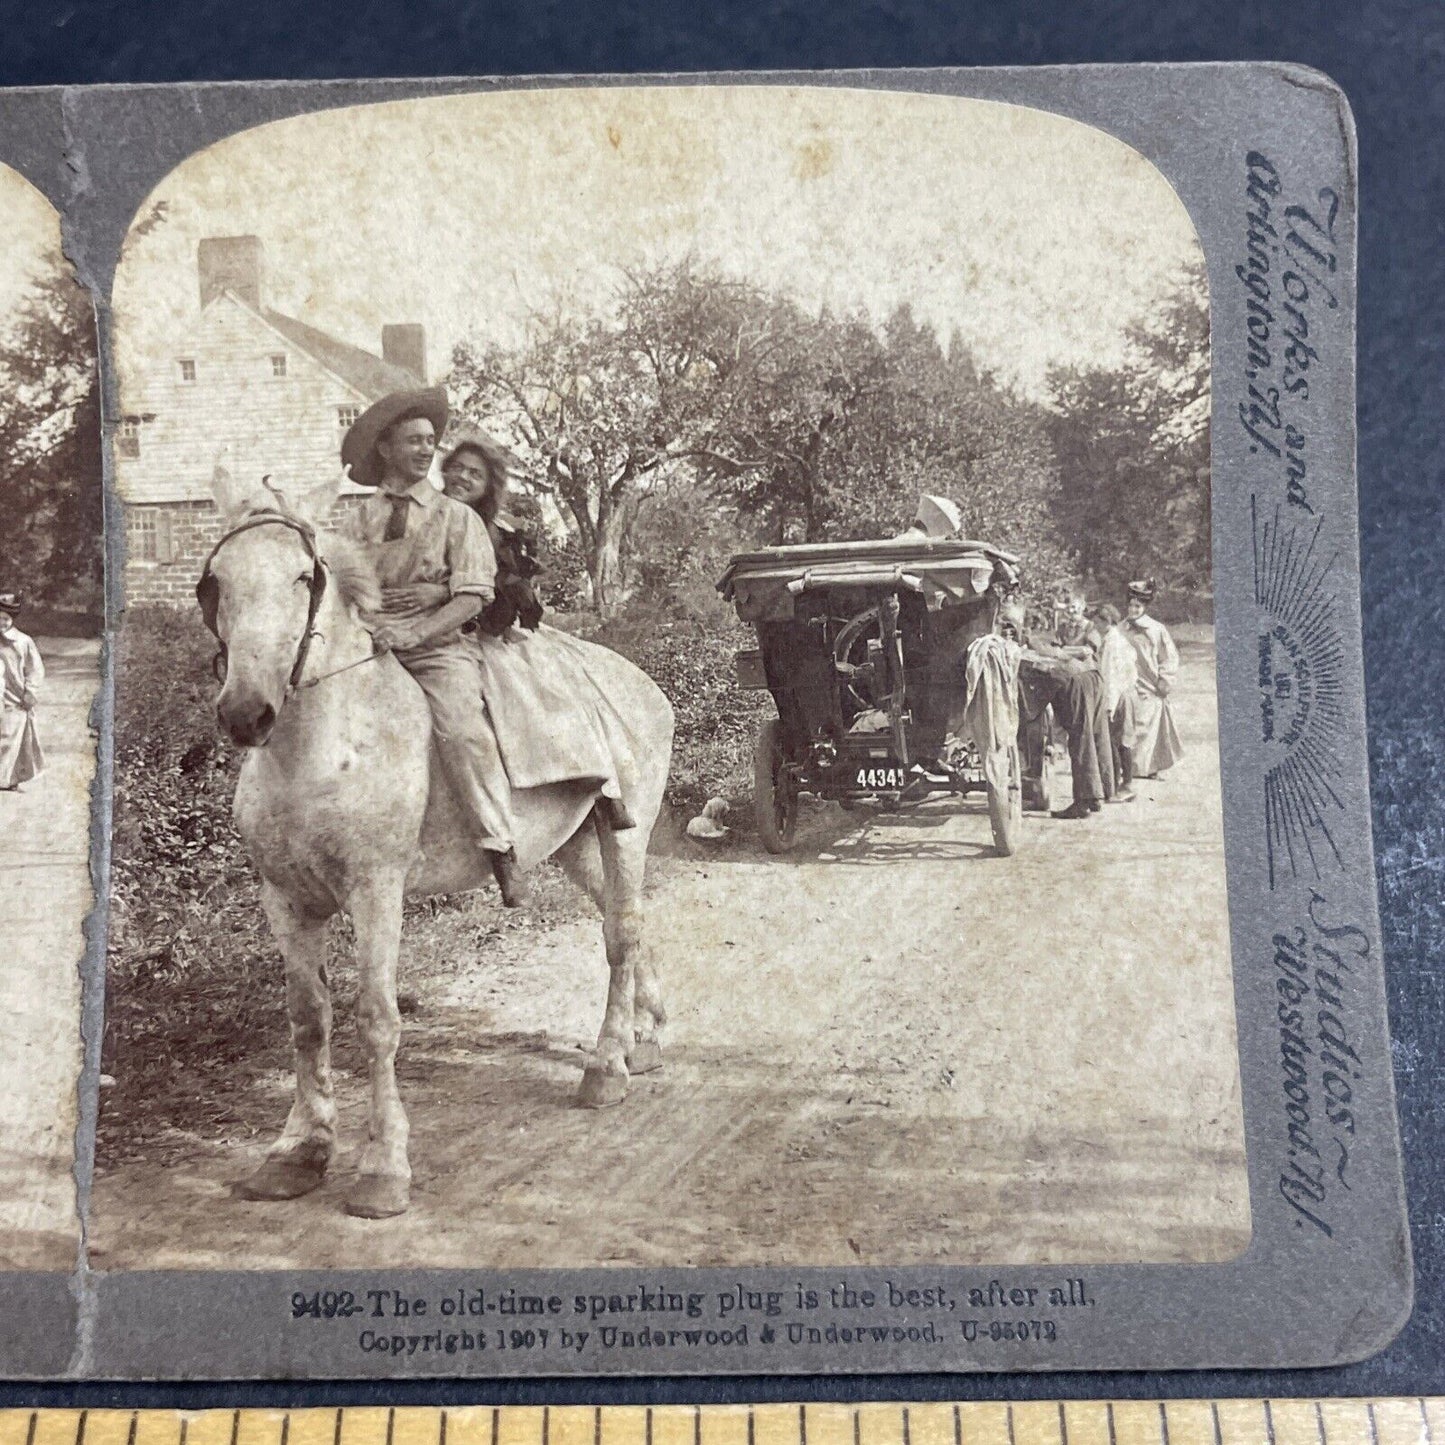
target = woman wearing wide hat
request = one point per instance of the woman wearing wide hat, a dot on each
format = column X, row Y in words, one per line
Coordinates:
column 1156, row 740
column 21, row 674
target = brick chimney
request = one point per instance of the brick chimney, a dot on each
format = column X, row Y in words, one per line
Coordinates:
column 405, row 346
column 231, row 263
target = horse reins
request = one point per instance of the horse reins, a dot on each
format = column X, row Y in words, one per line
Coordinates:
column 207, row 596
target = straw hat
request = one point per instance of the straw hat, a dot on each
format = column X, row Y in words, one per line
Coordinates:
column 358, row 446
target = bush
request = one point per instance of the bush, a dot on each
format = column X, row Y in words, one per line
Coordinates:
column 1174, row 606
column 691, row 660
column 194, row 981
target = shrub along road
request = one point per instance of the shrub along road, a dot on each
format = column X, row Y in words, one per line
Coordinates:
column 887, row 1046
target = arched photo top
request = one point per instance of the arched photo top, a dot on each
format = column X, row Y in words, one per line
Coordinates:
column 1034, row 239
column 278, row 281
column 50, row 570
column 32, row 238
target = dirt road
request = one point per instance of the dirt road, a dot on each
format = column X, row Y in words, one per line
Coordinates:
column 889, row 1046
column 45, row 894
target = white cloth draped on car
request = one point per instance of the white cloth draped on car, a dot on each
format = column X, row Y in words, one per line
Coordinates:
column 991, row 709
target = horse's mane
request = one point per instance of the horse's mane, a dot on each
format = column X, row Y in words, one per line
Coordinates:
column 352, row 572
column 350, row 569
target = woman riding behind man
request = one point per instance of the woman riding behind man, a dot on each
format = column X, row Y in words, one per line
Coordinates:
column 475, row 470
column 550, row 717
column 546, row 714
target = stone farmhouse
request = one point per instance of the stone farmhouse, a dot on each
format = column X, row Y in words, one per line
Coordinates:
column 276, row 392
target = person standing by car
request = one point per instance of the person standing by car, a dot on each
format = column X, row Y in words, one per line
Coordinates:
column 1077, row 638
column 21, row 674
column 1156, row 741
column 1120, row 672
column 1066, row 679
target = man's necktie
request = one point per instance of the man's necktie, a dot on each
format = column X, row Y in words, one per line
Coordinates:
column 396, row 523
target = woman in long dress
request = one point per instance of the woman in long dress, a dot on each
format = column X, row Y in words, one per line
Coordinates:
column 553, row 723
column 1156, row 740
column 21, row 673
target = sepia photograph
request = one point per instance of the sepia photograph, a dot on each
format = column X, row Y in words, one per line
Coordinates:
column 51, row 620
column 665, row 704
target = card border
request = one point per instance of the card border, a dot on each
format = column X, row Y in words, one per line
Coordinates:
column 1292, row 1298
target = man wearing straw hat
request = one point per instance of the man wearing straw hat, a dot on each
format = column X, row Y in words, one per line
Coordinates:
column 417, row 538
column 21, row 673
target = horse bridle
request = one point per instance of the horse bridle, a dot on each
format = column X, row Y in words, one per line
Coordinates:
column 208, row 591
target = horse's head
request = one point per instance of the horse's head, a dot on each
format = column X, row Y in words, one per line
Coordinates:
column 260, row 593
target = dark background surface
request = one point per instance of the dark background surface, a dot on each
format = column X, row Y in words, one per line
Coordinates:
column 1390, row 59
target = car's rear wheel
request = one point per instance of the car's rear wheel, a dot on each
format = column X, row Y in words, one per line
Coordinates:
column 775, row 793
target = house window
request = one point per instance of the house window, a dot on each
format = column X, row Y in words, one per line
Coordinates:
column 149, row 534
column 127, row 441
column 346, row 415
column 141, row 533
column 278, row 365
column 188, row 369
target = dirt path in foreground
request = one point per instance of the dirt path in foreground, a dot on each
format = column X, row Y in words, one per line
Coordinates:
column 889, row 1046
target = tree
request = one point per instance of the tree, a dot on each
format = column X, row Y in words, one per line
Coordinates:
column 50, row 545
column 602, row 409
column 951, row 429
column 806, row 427
column 1133, row 449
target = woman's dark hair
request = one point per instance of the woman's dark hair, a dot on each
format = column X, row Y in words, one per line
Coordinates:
column 1108, row 614
column 495, row 460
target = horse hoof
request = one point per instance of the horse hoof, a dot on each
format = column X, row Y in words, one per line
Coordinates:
column 378, row 1196
column 280, row 1179
column 600, row 1090
column 646, row 1056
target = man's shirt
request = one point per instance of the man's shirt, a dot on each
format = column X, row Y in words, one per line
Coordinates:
column 1047, row 650
column 1119, row 665
column 444, row 542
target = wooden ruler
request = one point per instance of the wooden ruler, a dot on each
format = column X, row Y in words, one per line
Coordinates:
column 1075, row 1422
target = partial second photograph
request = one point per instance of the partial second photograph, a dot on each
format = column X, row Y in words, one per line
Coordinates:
column 665, row 702
column 51, row 623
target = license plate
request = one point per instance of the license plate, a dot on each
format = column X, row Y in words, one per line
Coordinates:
column 881, row 778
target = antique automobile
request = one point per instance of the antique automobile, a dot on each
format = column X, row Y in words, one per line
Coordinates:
column 874, row 653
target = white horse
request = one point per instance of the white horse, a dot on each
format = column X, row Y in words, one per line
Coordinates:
column 340, row 805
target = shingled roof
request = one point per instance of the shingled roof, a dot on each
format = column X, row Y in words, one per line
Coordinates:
column 369, row 374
